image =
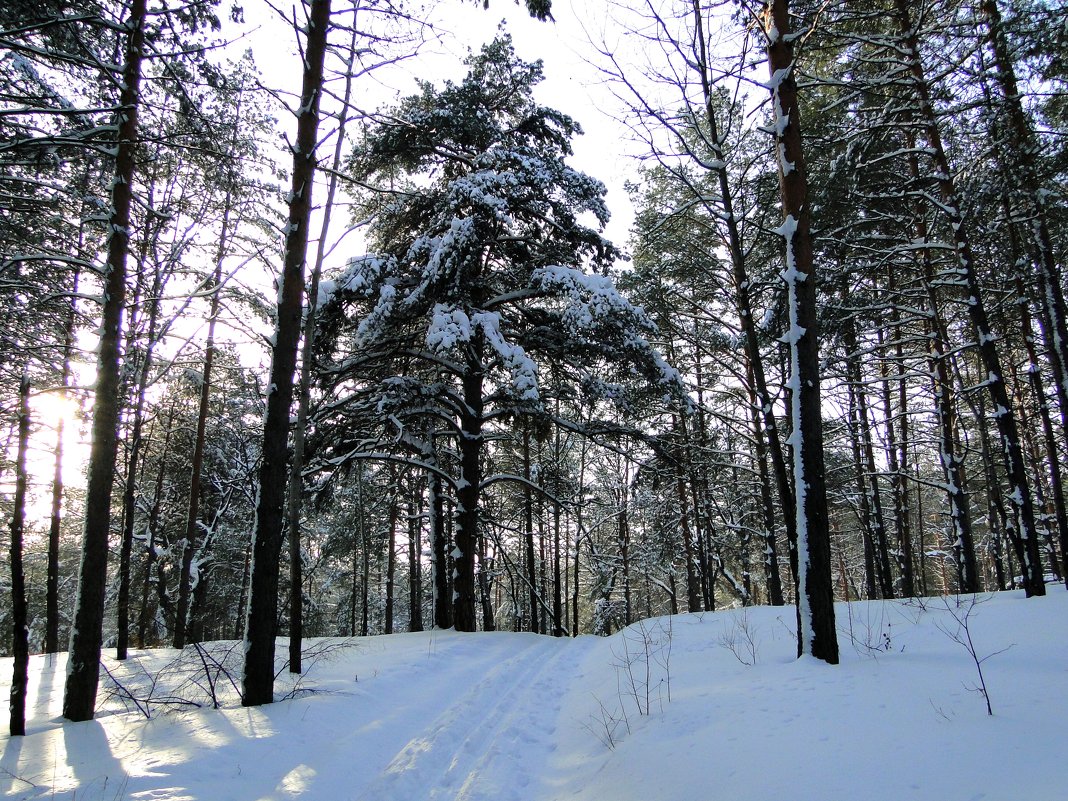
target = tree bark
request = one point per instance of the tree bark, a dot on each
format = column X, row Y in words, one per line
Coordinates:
column 528, row 533
column 864, row 455
column 897, row 448
column 558, row 609
column 20, row 644
column 949, row 453
column 439, row 548
column 151, row 527
column 182, row 622
column 391, row 552
column 83, row 667
column 296, row 482
column 624, row 550
column 181, row 618
column 770, row 555
column 467, row 497
column 261, row 627
column 1032, row 199
column 485, row 585
column 415, row 573
column 816, row 632
column 129, row 499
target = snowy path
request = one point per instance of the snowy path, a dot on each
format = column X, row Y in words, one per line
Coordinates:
column 492, row 742
column 437, row 715
column 442, row 716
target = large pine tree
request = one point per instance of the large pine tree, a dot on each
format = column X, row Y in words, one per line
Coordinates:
column 477, row 283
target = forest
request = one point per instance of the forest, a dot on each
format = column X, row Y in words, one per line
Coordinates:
column 344, row 368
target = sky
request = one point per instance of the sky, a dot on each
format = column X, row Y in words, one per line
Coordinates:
column 571, row 84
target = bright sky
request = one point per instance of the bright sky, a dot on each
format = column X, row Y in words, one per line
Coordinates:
column 571, row 85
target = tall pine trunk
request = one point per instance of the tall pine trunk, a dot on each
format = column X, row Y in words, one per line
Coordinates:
column 260, row 630
column 864, row 456
column 1027, row 191
column 151, row 527
column 129, row 505
column 181, row 622
column 949, row 453
column 391, row 551
column 296, row 482
column 83, row 666
column 415, row 573
column 815, row 596
column 467, row 496
column 439, row 549
column 897, row 443
column 770, row 553
column 20, row 645
column 528, row 532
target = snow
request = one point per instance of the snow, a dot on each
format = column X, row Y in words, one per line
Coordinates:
column 449, row 328
column 521, row 368
column 520, row 717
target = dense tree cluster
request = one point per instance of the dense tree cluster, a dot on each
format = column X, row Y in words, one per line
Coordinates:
column 834, row 364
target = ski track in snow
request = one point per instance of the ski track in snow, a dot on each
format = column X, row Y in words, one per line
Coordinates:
column 493, row 701
column 488, row 744
column 444, row 716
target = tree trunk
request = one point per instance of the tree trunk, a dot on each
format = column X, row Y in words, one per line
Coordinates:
column 1029, row 192
column 579, row 523
column 693, row 586
column 558, row 610
column 864, row 457
column 415, row 573
column 1038, row 390
column 365, row 583
column 743, row 302
column 258, row 680
column 528, row 532
column 56, row 516
column 467, row 497
column 20, row 644
column 391, row 554
column 816, row 632
column 296, row 483
column 949, row 452
column 181, row 622
column 439, row 549
column 129, row 500
column 1045, row 513
column 485, row 585
column 770, row 550
column 897, row 449
column 870, row 583
column 150, row 533
column 83, row 667
column 624, row 552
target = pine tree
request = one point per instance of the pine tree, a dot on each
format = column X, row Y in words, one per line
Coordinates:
column 478, row 282
column 258, row 676
column 79, row 699
column 816, row 632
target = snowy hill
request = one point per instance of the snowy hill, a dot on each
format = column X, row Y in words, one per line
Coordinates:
column 666, row 711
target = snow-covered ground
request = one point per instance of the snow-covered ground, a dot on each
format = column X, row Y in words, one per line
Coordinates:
column 666, row 711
